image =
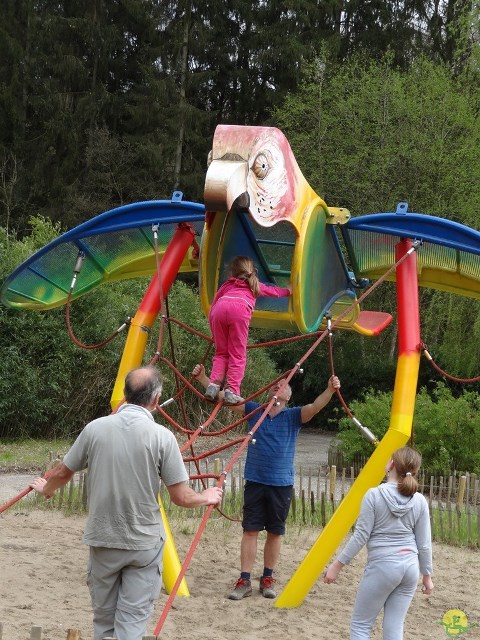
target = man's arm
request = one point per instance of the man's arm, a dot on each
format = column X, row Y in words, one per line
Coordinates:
column 310, row 410
column 184, row 496
column 199, row 373
column 61, row 475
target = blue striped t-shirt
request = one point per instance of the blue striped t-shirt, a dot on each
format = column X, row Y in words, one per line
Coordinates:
column 271, row 459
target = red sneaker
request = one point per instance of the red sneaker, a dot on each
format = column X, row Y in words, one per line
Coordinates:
column 266, row 587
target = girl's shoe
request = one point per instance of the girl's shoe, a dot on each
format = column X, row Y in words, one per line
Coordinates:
column 232, row 398
column 211, row 392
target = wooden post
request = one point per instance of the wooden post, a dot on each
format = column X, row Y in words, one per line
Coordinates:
column 440, row 509
column 71, row 487
column 333, row 479
column 461, row 490
column 80, row 487
column 84, row 491
column 478, row 523
column 216, row 468
column 36, row 633
column 293, row 505
column 467, row 508
column 449, row 505
column 233, row 492
column 304, row 515
column 323, row 509
column 318, row 482
column 430, row 502
column 61, row 493
column 473, row 479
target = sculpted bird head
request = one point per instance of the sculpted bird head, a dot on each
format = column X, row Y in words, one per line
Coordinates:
column 255, row 168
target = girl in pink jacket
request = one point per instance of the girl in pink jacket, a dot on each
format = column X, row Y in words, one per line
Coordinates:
column 229, row 320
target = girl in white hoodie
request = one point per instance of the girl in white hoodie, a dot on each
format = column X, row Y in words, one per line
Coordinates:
column 394, row 523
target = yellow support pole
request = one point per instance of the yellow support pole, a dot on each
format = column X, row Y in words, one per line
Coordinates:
column 399, row 431
column 171, row 561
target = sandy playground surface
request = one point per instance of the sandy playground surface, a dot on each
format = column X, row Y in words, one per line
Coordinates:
column 42, row 583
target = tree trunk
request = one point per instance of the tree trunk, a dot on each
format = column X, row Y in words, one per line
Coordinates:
column 183, row 92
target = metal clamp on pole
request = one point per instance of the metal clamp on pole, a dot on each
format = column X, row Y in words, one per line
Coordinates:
column 364, row 431
column 77, row 268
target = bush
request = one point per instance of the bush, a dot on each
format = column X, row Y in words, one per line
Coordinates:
column 446, row 428
column 50, row 388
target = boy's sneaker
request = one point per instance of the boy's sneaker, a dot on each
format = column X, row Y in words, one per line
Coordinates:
column 232, row 398
column 266, row 587
column 243, row 589
column 211, row 392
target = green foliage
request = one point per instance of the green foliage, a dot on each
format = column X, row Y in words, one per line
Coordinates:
column 50, row 388
column 446, row 428
column 451, row 330
column 368, row 135
column 157, row 77
column 30, row 456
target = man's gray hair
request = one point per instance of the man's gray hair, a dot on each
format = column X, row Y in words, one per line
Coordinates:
column 142, row 386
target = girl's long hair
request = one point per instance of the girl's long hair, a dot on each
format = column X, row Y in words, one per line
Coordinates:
column 407, row 462
column 243, row 268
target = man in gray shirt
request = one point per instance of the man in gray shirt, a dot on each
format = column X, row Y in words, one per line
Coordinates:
column 126, row 454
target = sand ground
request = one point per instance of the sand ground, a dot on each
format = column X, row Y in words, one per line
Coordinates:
column 42, row 583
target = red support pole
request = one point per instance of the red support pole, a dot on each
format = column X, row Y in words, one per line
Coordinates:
column 150, row 305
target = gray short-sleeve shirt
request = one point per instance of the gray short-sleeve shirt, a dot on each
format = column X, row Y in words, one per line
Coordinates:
column 126, row 453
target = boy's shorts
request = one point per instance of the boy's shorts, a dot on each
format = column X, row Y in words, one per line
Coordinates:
column 265, row 507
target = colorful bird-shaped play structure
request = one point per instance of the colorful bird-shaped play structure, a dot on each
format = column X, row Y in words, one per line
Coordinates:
column 258, row 203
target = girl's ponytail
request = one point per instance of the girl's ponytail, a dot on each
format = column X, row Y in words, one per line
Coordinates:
column 407, row 462
column 243, row 268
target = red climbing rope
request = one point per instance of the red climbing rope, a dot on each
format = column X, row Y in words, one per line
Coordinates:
column 423, row 347
column 206, row 516
column 76, row 270
column 363, row 430
column 77, row 341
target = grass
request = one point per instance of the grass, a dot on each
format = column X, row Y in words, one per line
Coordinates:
column 29, row 456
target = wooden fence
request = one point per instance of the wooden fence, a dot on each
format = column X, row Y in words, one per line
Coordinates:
column 72, row 634
column 36, row 633
column 454, row 499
